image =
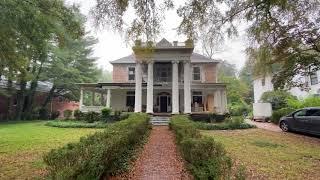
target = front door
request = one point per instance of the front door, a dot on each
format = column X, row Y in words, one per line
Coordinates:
column 163, row 104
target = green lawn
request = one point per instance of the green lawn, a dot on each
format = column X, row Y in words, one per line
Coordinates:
column 272, row 155
column 22, row 145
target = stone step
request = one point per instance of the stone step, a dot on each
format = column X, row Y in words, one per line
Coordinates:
column 159, row 120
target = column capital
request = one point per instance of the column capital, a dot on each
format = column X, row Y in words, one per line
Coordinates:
column 186, row 62
column 175, row 62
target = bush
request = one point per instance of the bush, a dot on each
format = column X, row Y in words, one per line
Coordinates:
column 103, row 153
column 76, row 124
column 208, row 117
column 276, row 115
column 43, row 114
column 55, row 115
column 92, row 116
column 206, row 159
column 78, row 115
column 67, row 113
column 278, row 98
column 105, row 113
column 311, row 101
column 229, row 124
column 239, row 109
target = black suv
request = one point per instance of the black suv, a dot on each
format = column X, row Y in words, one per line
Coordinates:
column 304, row 120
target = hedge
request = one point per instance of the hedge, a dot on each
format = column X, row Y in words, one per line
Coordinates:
column 206, row 158
column 76, row 124
column 229, row 124
column 276, row 115
column 101, row 154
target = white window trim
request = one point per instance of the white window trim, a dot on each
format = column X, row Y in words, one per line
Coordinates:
column 128, row 73
column 200, row 67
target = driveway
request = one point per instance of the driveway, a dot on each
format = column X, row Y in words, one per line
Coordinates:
column 265, row 125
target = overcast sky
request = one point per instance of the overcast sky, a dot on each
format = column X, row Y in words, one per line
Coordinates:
column 112, row 46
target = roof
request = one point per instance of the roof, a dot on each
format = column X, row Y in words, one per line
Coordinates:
column 195, row 58
column 43, row 86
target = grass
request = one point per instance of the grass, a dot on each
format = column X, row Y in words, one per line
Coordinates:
column 272, row 155
column 76, row 124
column 22, row 145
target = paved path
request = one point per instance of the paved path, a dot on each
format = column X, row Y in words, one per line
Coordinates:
column 265, row 125
column 160, row 159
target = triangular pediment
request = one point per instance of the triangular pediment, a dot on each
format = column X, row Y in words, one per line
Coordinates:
column 163, row 43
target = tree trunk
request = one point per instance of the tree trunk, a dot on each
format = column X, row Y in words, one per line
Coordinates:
column 20, row 99
column 9, row 99
column 49, row 96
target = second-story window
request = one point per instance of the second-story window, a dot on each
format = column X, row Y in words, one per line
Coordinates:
column 196, row 76
column 131, row 73
column 314, row 78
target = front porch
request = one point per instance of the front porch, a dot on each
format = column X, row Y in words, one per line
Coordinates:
column 204, row 98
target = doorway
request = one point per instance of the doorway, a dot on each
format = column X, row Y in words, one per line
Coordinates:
column 163, row 103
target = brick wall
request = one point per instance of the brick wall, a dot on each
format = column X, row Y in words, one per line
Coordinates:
column 120, row 73
column 210, row 73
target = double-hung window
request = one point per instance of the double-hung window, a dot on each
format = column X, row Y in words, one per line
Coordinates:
column 196, row 73
column 131, row 73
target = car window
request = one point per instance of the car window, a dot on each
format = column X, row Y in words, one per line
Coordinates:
column 315, row 112
column 311, row 112
column 300, row 113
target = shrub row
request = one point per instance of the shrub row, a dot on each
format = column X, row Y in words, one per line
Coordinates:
column 206, row 159
column 100, row 154
column 208, row 117
column 229, row 124
column 105, row 115
column 76, row 124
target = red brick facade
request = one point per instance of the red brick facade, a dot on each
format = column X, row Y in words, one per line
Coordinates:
column 210, row 73
column 120, row 73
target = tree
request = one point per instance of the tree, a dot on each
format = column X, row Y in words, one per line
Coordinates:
column 246, row 76
column 104, row 75
column 226, row 69
column 278, row 98
column 284, row 33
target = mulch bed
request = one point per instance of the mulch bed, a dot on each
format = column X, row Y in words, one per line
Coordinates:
column 159, row 158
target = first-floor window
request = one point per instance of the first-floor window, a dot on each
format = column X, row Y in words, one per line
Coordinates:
column 314, row 78
column 197, row 97
column 130, row 99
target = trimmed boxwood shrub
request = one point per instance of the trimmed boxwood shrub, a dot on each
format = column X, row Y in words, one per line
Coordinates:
column 276, row 115
column 92, row 116
column 76, row 124
column 100, row 154
column 208, row 117
column 105, row 113
column 229, row 124
column 206, row 158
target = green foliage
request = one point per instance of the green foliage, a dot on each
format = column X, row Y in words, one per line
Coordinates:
column 67, row 113
column 78, row 115
column 312, row 101
column 76, row 124
column 277, row 114
column 241, row 173
column 229, row 124
column 55, row 114
column 238, row 109
column 106, row 112
column 206, row 159
column 92, row 116
column 103, row 153
column 208, row 117
column 278, row 98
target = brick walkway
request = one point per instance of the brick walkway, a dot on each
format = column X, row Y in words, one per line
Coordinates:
column 159, row 159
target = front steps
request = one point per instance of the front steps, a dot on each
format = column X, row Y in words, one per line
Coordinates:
column 160, row 120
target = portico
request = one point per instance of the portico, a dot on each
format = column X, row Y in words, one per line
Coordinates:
column 160, row 78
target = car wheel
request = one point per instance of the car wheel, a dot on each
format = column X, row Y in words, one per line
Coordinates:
column 284, row 126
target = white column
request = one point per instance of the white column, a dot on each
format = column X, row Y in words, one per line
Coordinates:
column 187, row 88
column 150, row 88
column 223, row 101
column 138, row 90
column 108, row 103
column 81, row 99
column 175, row 88
column 216, row 101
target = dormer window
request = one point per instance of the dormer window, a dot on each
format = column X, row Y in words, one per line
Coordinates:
column 131, row 73
column 196, row 75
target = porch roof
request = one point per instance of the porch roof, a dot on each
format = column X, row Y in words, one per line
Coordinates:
column 115, row 85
